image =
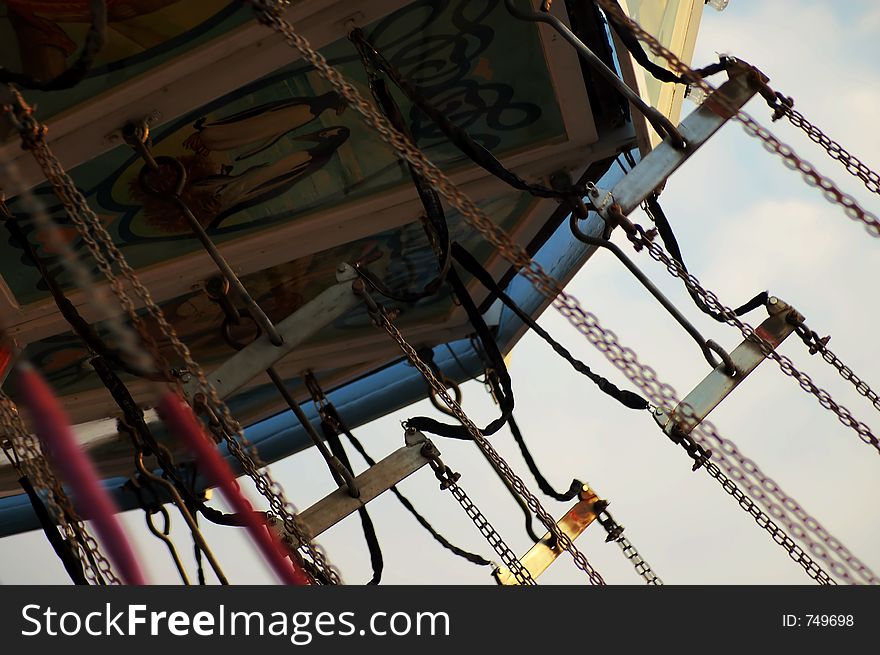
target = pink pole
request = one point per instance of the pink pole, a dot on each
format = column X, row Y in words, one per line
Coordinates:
column 180, row 419
column 53, row 429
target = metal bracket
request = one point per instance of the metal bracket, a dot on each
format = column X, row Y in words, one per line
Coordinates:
column 716, row 386
column 653, row 170
column 261, row 354
column 386, row 473
column 544, row 553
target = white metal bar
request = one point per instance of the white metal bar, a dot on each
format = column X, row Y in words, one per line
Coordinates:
column 716, row 386
column 256, row 357
column 377, row 479
column 697, row 128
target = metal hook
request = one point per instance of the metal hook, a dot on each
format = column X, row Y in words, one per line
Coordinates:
column 162, row 535
column 197, row 535
column 707, row 347
column 661, row 124
column 449, row 384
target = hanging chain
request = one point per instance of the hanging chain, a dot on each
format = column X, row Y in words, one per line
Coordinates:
column 449, row 481
column 615, row 534
column 818, row 344
column 779, row 536
column 852, row 164
column 640, row 565
column 30, row 459
column 381, row 319
column 491, row 535
column 97, row 240
column 789, row 157
column 625, row 359
column 746, row 473
column 642, row 240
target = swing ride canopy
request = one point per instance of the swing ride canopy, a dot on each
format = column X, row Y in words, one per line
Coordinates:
column 290, row 184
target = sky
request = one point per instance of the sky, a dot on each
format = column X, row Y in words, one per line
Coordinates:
column 745, row 223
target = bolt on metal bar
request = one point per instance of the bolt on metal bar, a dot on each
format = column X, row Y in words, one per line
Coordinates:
column 655, row 167
column 377, row 479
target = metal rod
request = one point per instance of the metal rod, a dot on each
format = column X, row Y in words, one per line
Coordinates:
column 137, row 135
column 165, row 538
column 706, row 346
column 226, row 270
column 661, row 124
column 338, row 470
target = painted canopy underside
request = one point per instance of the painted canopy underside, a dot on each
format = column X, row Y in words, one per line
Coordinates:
column 276, row 151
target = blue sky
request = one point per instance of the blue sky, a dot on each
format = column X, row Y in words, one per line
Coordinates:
column 745, row 223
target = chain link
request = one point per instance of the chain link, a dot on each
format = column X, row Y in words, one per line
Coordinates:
column 31, row 461
column 495, row 540
column 789, row 157
column 449, row 481
column 626, row 360
column 851, row 163
column 706, row 434
column 817, row 344
column 104, row 251
column 779, row 536
column 758, row 485
column 615, row 534
column 640, row 565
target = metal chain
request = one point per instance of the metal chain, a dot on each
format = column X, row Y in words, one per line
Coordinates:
column 449, row 481
column 640, row 565
column 495, row 540
column 269, row 13
column 779, row 536
column 836, row 151
column 707, row 433
column 790, row 158
column 92, row 231
column 615, row 534
column 759, row 485
column 641, row 240
column 33, row 463
column 817, row 344
column 381, row 319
